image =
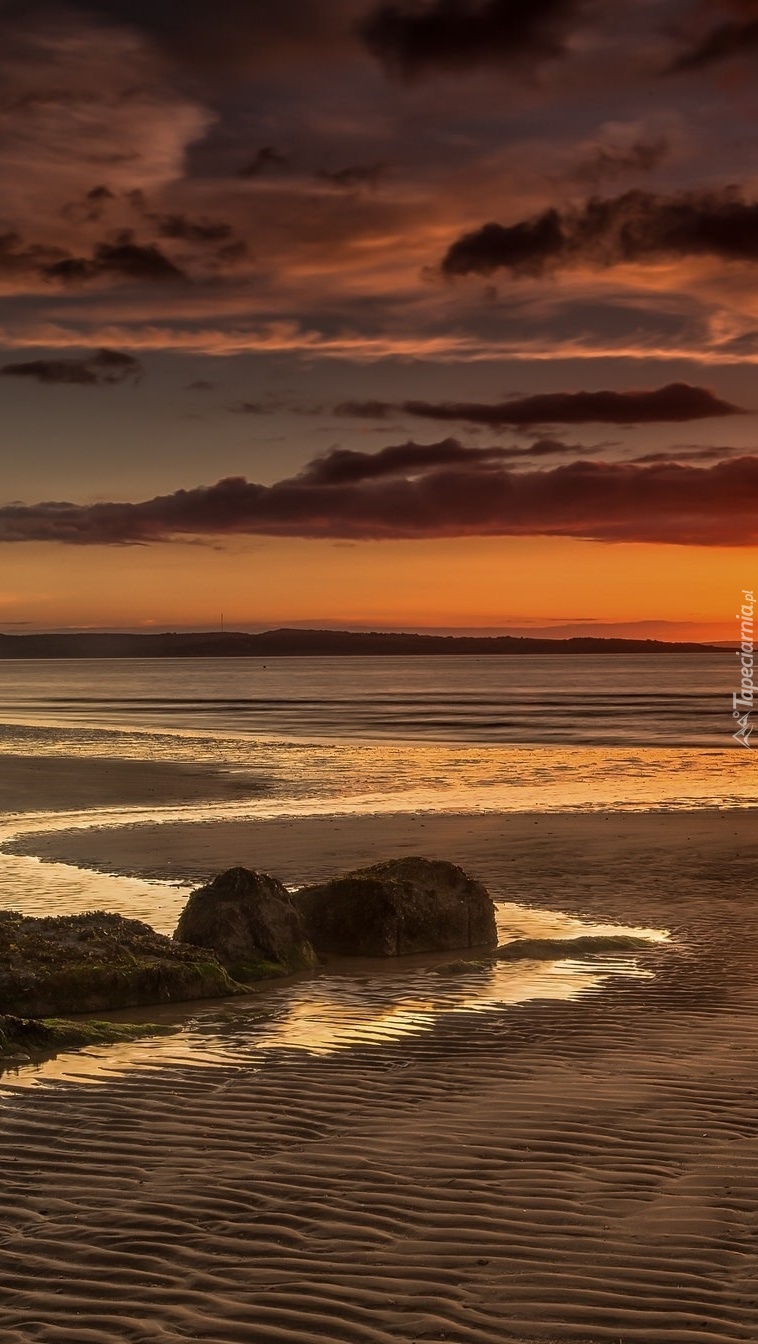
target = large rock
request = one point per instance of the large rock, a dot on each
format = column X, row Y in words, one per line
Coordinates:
column 251, row 922
column 85, row 963
column 395, row 908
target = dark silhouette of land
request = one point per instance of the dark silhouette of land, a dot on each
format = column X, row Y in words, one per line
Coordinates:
column 315, row 643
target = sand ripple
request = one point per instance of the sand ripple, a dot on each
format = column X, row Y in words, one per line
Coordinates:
column 580, row 1171
column 532, row 1179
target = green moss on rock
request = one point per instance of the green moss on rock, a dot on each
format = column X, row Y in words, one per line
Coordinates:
column 582, row 946
column 251, row 923
column 89, row 963
column 30, row 1037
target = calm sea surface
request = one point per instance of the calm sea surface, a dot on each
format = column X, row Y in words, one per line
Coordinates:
column 377, row 734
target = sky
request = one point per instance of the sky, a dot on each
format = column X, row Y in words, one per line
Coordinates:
column 435, row 315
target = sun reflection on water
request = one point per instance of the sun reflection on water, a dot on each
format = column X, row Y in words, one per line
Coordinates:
column 357, row 1003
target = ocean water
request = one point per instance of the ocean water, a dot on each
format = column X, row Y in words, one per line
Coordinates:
column 393, row 734
column 641, row 700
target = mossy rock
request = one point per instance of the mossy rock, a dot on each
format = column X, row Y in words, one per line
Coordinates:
column 250, row 922
column 397, row 908
column 56, row 966
column 584, row 945
column 23, row 1038
column 462, row 967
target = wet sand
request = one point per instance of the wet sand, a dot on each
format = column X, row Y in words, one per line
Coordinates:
column 578, row 1171
column 67, row 783
column 634, row 867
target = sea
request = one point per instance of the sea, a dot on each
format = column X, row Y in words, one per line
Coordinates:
column 360, row 735
column 385, row 734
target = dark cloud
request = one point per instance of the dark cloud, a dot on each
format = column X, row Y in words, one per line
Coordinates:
column 123, row 256
column 607, row 162
column 187, row 230
column 202, row 233
column 365, row 410
column 549, row 447
column 91, row 208
column 471, row 495
column 676, row 402
column 342, row 465
column 235, row 36
column 638, row 226
column 355, row 176
column 105, row 368
column 267, row 160
column 736, row 35
column 201, row 385
column 123, row 259
column 18, row 259
column 413, row 40
column 120, row 259
column 274, row 404
column 250, row 408
column 526, row 248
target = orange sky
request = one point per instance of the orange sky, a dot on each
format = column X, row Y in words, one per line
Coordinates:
column 463, row 583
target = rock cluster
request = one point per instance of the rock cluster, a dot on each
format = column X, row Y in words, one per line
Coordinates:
column 241, row 927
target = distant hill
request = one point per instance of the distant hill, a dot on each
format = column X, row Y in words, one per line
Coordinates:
column 316, row 643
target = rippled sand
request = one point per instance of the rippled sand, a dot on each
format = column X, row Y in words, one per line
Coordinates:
column 577, row 1169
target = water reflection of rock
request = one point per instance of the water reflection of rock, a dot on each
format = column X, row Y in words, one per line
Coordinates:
column 359, row 1003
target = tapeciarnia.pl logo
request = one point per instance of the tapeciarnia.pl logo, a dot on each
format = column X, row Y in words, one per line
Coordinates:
column 742, row 700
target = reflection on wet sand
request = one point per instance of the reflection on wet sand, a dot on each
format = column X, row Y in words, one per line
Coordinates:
column 35, row 887
column 352, row 1003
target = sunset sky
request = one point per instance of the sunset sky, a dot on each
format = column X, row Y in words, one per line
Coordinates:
column 410, row 315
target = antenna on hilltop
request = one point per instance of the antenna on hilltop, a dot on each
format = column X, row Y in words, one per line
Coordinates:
column 222, row 622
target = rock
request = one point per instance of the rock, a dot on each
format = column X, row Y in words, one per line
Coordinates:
column 582, row 946
column 86, row 963
column 399, row 907
column 252, row 924
column 462, row 967
column 22, row 1038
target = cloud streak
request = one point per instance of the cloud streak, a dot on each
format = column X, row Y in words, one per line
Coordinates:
column 674, row 403
column 345, row 465
column 103, row 369
column 338, row 497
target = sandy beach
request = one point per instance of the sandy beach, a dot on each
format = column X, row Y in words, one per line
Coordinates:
column 583, row 1170
column 66, row 783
